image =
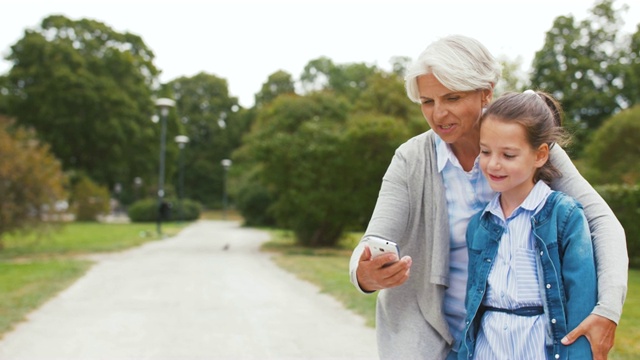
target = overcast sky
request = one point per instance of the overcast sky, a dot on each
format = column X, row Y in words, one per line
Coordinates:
column 244, row 41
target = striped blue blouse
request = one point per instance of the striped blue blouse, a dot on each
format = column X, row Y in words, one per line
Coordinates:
column 466, row 194
column 513, row 283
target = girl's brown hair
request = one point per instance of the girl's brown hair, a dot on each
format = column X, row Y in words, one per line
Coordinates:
column 541, row 117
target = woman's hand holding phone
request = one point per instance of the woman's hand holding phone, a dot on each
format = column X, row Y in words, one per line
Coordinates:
column 375, row 275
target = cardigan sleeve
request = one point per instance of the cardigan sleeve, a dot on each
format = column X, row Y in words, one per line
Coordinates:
column 608, row 235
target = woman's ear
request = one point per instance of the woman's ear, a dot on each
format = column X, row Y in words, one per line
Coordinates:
column 542, row 155
column 487, row 95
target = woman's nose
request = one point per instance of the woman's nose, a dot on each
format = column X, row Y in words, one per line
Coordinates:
column 439, row 111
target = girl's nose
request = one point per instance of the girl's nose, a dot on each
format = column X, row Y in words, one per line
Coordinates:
column 494, row 162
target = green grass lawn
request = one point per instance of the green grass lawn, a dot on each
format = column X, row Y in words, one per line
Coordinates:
column 328, row 269
column 36, row 266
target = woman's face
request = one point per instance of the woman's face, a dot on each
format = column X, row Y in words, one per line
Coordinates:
column 453, row 115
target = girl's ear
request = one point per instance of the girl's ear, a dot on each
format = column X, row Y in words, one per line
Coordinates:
column 542, row 155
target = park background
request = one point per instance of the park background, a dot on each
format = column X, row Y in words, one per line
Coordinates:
column 81, row 138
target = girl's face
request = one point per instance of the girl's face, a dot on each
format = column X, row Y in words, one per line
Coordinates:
column 453, row 115
column 507, row 159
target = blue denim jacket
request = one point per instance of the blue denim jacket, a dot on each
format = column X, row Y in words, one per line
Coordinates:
column 566, row 271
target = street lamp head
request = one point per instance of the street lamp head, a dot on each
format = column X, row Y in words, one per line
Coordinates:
column 182, row 139
column 164, row 104
column 226, row 163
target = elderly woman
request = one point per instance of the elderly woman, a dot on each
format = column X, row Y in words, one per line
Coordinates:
column 428, row 194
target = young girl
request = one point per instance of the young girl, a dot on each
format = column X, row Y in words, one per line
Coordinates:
column 531, row 267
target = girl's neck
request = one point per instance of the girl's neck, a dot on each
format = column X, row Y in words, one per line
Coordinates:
column 510, row 200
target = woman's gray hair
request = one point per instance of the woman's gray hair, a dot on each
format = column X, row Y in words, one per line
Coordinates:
column 459, row 62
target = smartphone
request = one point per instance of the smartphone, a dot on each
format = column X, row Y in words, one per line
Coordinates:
column 380, row 246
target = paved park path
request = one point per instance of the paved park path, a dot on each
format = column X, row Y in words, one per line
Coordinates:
column 187, row 297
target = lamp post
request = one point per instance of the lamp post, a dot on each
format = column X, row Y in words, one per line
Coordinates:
column 226, row 164
column 164, row 105
column 137, row 183
column 182, row 140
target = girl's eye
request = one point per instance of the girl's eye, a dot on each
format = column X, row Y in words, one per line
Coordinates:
column 484, row 152
column 509, row 156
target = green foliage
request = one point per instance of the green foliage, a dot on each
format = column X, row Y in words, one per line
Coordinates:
column 613, row 154
column 147, row 210
column 277, row 84
column 321, row 164
column 89, row 200
column 580, row 64
column 296, row 145
column 214, row 123
column 630, row 64
column 31, row 179
column 253, row 201
column 346, row 80
column 624, row 200
column 385, row 94
column 86, row 89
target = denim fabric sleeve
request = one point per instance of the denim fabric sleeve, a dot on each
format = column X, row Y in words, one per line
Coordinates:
column 608, row 236
column 578, row 275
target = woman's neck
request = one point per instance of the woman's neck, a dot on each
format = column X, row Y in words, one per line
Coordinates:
column 466, row 152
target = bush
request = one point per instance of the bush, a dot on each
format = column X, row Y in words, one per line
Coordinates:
column 624, row 200
column 253, row 202
column 613, row 155
column 31, row 178
column 147, row 210
column 89, row 199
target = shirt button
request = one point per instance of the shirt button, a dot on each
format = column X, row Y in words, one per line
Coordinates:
column 557, row 356
column 553, row 321
column 548, row 286
column 541, row 253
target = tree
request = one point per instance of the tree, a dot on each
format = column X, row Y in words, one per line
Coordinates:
column 320, row 163
column 87, row 91
column 386, row 94
column 31, row 179
column 89, row 200
column 613, row 154
column 293, row 143
column 579, row 66
column 346, row 80
column 278, row 83
column 512, row 79
column 214, row 123
column 630, row 64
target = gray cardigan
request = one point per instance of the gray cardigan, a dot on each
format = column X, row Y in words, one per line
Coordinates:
column 411, row 210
